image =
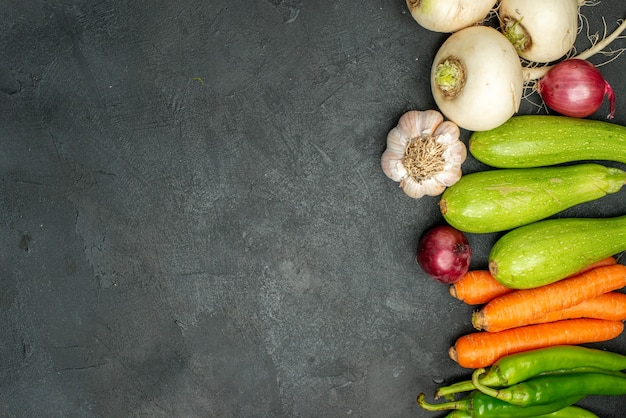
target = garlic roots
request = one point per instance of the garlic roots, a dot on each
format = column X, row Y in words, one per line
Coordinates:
column 424, row 153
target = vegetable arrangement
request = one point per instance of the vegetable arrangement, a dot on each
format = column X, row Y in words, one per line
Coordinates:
column 479, row 73
column 552, row 283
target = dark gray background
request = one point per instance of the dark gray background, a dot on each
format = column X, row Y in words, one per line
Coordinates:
column 194, row 220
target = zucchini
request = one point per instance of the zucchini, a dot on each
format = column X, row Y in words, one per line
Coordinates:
column 540, row 140
column 546, row 251
column 498, row 200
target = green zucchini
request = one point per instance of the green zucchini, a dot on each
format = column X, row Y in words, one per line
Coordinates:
column 540, row 140
column 498, row 200
column 546, row 251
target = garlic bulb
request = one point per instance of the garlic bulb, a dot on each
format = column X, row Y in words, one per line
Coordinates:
column 424, row 153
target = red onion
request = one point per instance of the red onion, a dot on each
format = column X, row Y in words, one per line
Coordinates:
column 444, row 254
column 575, row 88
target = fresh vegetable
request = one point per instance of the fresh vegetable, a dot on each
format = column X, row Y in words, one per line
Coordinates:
column 548, row 389
column 525, row 257
column 482, row 349
column 449, row 15
column 424, row 153
column 540, row 140
column 569, row 412
column 477, row 287
column 521, row 307
column 444, row 254
column 479, row 405
column 499, row 200
column 541, row 31
column 611, row 306
column 515, row 368
column 476, row 78
column 575, row 88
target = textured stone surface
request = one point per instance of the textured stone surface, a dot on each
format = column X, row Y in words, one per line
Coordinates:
column 193, row 216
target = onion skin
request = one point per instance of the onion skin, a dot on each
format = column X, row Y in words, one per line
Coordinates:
column 575, row 88
column 444, row 254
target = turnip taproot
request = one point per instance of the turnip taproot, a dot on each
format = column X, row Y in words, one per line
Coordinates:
column 449, row 15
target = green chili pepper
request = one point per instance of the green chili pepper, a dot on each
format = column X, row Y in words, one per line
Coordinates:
column 480, row 405
column 516, row 368
column 458, row 414
column 548, row 389
column 567, row 412
column 570, row 412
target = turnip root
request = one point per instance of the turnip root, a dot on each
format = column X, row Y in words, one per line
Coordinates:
column 541, row 31
column 449, row 15
column 477, row 79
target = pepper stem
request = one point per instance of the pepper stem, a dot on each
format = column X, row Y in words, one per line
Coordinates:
column 494, row 393
column 462, row 404
column 446, row 391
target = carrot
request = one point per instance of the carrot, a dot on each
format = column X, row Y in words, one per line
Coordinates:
column 482, row 349
column 520, row 307
column 477, row 287
column 610, row 306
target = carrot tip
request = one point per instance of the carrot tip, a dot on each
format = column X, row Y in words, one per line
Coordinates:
column 453, row 292
column 453, row 354
column 478, row 320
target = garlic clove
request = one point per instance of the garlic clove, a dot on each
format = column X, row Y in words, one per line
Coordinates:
column 456, row 153
column 393, row 167
column 416, row 123
column 391, row 160
column 397, row 140
column 449, row 176
column 432, row 187
column 448, row 132
column 412, row 188
column 429, row 187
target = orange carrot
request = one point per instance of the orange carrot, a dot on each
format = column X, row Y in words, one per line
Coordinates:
column 520, row 307
column 482, row 349
column 477, row 287
column 610, row 306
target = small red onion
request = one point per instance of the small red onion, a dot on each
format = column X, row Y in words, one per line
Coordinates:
column 575, row 88
column 444, row 254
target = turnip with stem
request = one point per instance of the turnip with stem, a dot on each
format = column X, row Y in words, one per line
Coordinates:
column 449, row 15
column 541, row 31
column 477, row 78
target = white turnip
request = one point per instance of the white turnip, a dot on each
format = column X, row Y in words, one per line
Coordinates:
column 541, row 31
column 449, row 15
column 477, row 79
